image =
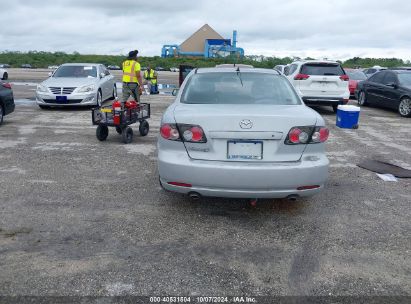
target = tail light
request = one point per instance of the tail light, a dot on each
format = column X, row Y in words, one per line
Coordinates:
column 6, row 85
column 344, row 77
column 180, row 184
column 183, row 132
column 301, row 77
column 307, row 135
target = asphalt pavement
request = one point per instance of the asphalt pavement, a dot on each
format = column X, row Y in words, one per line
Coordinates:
column 83, row 217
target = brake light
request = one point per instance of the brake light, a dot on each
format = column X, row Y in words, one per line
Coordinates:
column 320, row 135
column 180, row 184
column 169, row 131
column 301, row 77
column 307, row 135
column 6, row 85
column 184, row 132
column 344, row 77
column 308, row 187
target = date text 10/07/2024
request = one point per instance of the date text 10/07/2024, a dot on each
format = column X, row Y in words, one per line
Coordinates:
column 200, row 299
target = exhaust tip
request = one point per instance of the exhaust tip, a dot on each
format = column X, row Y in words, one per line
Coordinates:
column 194, row 195
column 292, row 197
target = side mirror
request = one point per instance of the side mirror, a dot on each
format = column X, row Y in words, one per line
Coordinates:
column 393, row 85
column 50, row 74
column 102, row 75
column 174, row 92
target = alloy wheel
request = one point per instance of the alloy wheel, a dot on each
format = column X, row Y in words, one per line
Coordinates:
column 361, row 99
column 99, row 98
column 405, row 107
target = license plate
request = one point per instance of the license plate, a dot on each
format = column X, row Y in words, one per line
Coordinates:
column 61, row 98
column 244, row 150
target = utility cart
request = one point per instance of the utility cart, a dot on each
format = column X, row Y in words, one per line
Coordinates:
column 121, row 116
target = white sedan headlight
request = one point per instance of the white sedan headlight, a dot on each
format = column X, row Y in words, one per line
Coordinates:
column 86, row 89
column 42, row 89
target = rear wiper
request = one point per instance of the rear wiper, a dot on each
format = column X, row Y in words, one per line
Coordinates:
column 239, row 75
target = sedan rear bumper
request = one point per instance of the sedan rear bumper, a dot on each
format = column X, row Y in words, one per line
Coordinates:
column 240, row 179
column 329, row 101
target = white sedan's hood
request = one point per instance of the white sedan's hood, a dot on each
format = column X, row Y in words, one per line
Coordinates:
column 68, row 82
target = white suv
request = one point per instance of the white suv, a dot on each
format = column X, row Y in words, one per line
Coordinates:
column 319, row 82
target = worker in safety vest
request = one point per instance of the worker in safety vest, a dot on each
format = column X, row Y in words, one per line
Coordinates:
column 132, row 82
column 150, row 76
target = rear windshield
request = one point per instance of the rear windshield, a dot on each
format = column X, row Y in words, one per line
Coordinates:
column 77, row 71
column 239, row 88
column 323, row 69
column 405, row 78
column 356, row 75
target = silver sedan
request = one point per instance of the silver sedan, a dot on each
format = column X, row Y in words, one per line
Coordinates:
column 81, row 84
column 241, row 132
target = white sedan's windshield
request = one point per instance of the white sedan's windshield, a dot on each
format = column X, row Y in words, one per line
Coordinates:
column 239, row 88
column 77, row 71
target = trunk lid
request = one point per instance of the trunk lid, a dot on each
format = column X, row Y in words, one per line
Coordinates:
column 265, row 128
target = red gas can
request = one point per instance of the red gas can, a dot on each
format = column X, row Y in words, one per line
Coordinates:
column 117, row 112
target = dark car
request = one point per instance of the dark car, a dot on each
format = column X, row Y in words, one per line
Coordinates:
column 160, row 69
column 4, row 65
column 6, row 100
column 371, row 71
column 387, row 88
column 113, row 67
column 26, row 66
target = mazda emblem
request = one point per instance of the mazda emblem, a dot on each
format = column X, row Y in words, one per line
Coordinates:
column 246, row 124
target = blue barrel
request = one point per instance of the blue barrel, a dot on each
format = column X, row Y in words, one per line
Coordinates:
column 348, row 116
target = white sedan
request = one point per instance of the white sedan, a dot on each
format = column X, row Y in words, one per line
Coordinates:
column 81, row 84
column 4, row 75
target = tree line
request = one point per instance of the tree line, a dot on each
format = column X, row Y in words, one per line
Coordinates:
column 45, row 59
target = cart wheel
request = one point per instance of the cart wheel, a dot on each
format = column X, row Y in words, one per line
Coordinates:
column 144, row 128
column 102, row 132
column 119, row 130
column 127, row 135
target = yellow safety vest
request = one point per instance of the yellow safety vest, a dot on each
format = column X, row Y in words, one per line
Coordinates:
column 150, row 77
column 130, row 69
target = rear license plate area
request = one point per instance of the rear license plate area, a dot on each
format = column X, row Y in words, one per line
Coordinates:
column 244, row 150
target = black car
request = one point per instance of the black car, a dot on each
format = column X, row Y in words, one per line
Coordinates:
column 6, row 100
column 113, row 67
column 26, row 66
column 387, row 88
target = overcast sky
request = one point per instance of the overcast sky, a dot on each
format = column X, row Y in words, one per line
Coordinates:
column 336, row 29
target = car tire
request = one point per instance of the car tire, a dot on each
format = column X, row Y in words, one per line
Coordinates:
column 127, row 135
column 362, row 99
column 119, row 130
column 114, row 93
column 1, row 115
column 102, row 132
column 404, row 108
column 144, row 128
column 5, row 76
column 99, row 101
